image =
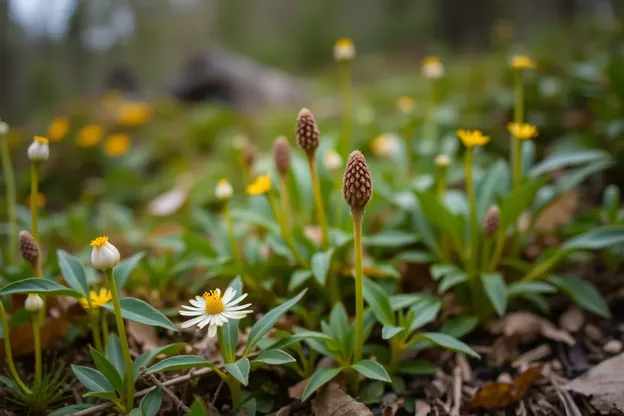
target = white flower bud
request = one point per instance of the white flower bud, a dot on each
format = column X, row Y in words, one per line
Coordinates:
column 223, row 190
column 333, row 161
column 38, row 151
column 344, row 50
column 104, row 255
column 442, row 160
column 432, row 68
column 4, row 128
column 33, row 303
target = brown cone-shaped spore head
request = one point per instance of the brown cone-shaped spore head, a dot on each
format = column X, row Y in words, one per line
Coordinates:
column 281, row 155
column 307, row 131
column 29, row 249
column 491, row 221
column 357, row 187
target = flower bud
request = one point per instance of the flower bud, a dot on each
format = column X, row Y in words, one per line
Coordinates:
column 357, row 187
column 223, row 190
column 344, row 50
column 332, row 161
column 491, row 221
column 281, row 155
column 442, row 160
column 4, row 128
column 308, row 135
column 38, row 151
column 33, row 303
column 29, row 249
column 432, row 68
column 104, row 255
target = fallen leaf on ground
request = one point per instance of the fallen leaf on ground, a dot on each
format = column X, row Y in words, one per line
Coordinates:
column 332, row 400
column 572, row 320
column 422, row 408
column 604, row 383
column 527, row 326
column 499, row 395
column 556, row 214
column 22, row 336
column 296, row 391
column 172, row 200
column 284, row 411
column 144, row 335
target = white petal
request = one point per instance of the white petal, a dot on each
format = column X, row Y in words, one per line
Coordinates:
column 192, row 308
column 198, row 303
column 228, row 295
column 239, row 300
column 238, row 307
column 208, row 320
column 191, row 313
column 192, row 322
column 200, row 299
column 212, row 330
column 233, row 315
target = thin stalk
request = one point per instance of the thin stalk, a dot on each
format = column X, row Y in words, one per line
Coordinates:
column 34, row 208
column 235, row 390
column 8, row 352
column 225, row 353
column 236, row 254
column 36, row 325
column 344, row 73
column 95, row 329
column 431, row 124
column 440, row 181
column 485, row 255
column 125, row 349
column 472, row 206
column 318, row 200
column 290, row 242
column 396, row 351
column 285, row 200
column 104, row 322
column 516, row 144
column 9, row 182
column 498, row 250
column 359, row 292
column 339, row 207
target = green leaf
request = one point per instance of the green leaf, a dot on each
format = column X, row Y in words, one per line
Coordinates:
column 264, row 324
column 110, row 396
column 448, row 342
column 138, row 311
column 146, row 358
column 518, row 201
column 494, row 182
column 519, row 288
column 415, row 256
column 404, row 300
column 71, row 409
column 150, row 404
column 390, row 239
column 459, row 326
column 583, row 293
column 272, row 357
column 371, row 392
column 496, row 291
column 379, row 302
column 39, row 286
column 107, row 369
column 239, row 370
column 114, row 355
column 320, row 377
column 298, row 278
column 560, row 160
column 417, row 368
column 198, row 408
column 135, row 412
column 449, row 281
column 424, row 312
column 180, row 362
column 229, row 331
column 596, row 239
column 196, row 243
column 389, row 331
column 300, row 335
column 9, row 383
column 439, row 216
column 320, row 264
column 253, row 217
column 439, row 270
column 372, row 369
column 73, row 272
column 92, row 379
column 122, row 270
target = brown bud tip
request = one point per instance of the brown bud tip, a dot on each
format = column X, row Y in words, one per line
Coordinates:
column 491, row 221
column 29, row 248
column 281, row 155
column 307, row 131
column 357, row 187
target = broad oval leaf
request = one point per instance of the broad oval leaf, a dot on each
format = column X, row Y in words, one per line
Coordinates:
column 73, row 272
column 150, row 404
column 39, row 286
column 92, row 379
column 389, row 331
column 520, row 288
column 596, row 239
column 114, row 354
column 320, row 264
column 298, row 278
column 122, row 270
column 583, row 293
column 451, row 280
column 239, row 370
column 439, row 216
column 9, row 383
column 424, row 312
column 372, row 369
column 71, row 409
column 110, row 396
column 379, row 302
column 180, row 362
column 518, row 201
column 568, row 158
column 448, row 342
column 459, row 326
column 390, row 239
column 273, row 357
column 144, row 359
column 106, row 368
column 320, row 377
column 496, row 291
column 139, row 311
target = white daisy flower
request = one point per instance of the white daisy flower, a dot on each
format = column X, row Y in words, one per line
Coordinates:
column 213, row 310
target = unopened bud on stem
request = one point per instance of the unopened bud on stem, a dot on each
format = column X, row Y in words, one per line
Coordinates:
column 29, row 249
column 308, row 135
column 281, row 155
column 33, row 303
column 491, row 221
column 357, row 187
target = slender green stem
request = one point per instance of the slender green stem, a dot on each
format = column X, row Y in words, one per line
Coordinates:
column 104, row 321
column 235, row 391
column 9, row 182
column 8, row 352
column 285, row 200
column 225, row 353
column 34, row 207
column 318, row 200
column 236, row 254
column 36, row 325
column 359, row 287
column 516, row 144
column 472, row 206
column 431, row 123
column 344, row 145
column 396, row 351
column 542, row 268
column 95, row 329
column 440, row 181
column 340, row 208
column 125, row 349
column 498, row 250
column 290, row 242
column 485, row 255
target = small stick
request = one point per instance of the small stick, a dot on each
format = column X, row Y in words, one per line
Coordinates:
column 165, row 390
column 457, row 388
column 214, row 399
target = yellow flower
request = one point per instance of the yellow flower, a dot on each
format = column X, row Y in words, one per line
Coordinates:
column 117, row 144
column 406, row 104
column 471, row 138
column 432, row 67
column 344, row 49
column 41, row 200
column 90, row 135
column 522, row 62
column 57, row 130
column 97, row 298
column 134, row 114
column 522, row 131
column 260, row 186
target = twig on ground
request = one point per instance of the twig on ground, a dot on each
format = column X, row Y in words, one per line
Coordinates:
column 457, row 388
column 214, row 399
column 178, row 403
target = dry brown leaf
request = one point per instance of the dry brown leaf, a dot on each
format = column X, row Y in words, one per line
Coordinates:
column 22, row 336
column 499, row 395
column 604, row 383
column 332, row 400
column 284, row 411
column 526, row 326
column 573, row 319
column 296, row 391
column 171, row 201
column 556, row 214
column 144, row 335
column 422, row 408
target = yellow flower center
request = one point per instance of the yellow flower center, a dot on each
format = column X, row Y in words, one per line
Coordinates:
column 99, row 242
column 344, row 43
column 97, row 299
column 214, row 303
column 522, row 62
column 223, row 182
column 431, row 60
column 41, row 140
column 471, row 138
column 522, row 131
column 260, row 186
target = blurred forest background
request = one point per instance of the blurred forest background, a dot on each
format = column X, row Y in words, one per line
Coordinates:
column 53, row 50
